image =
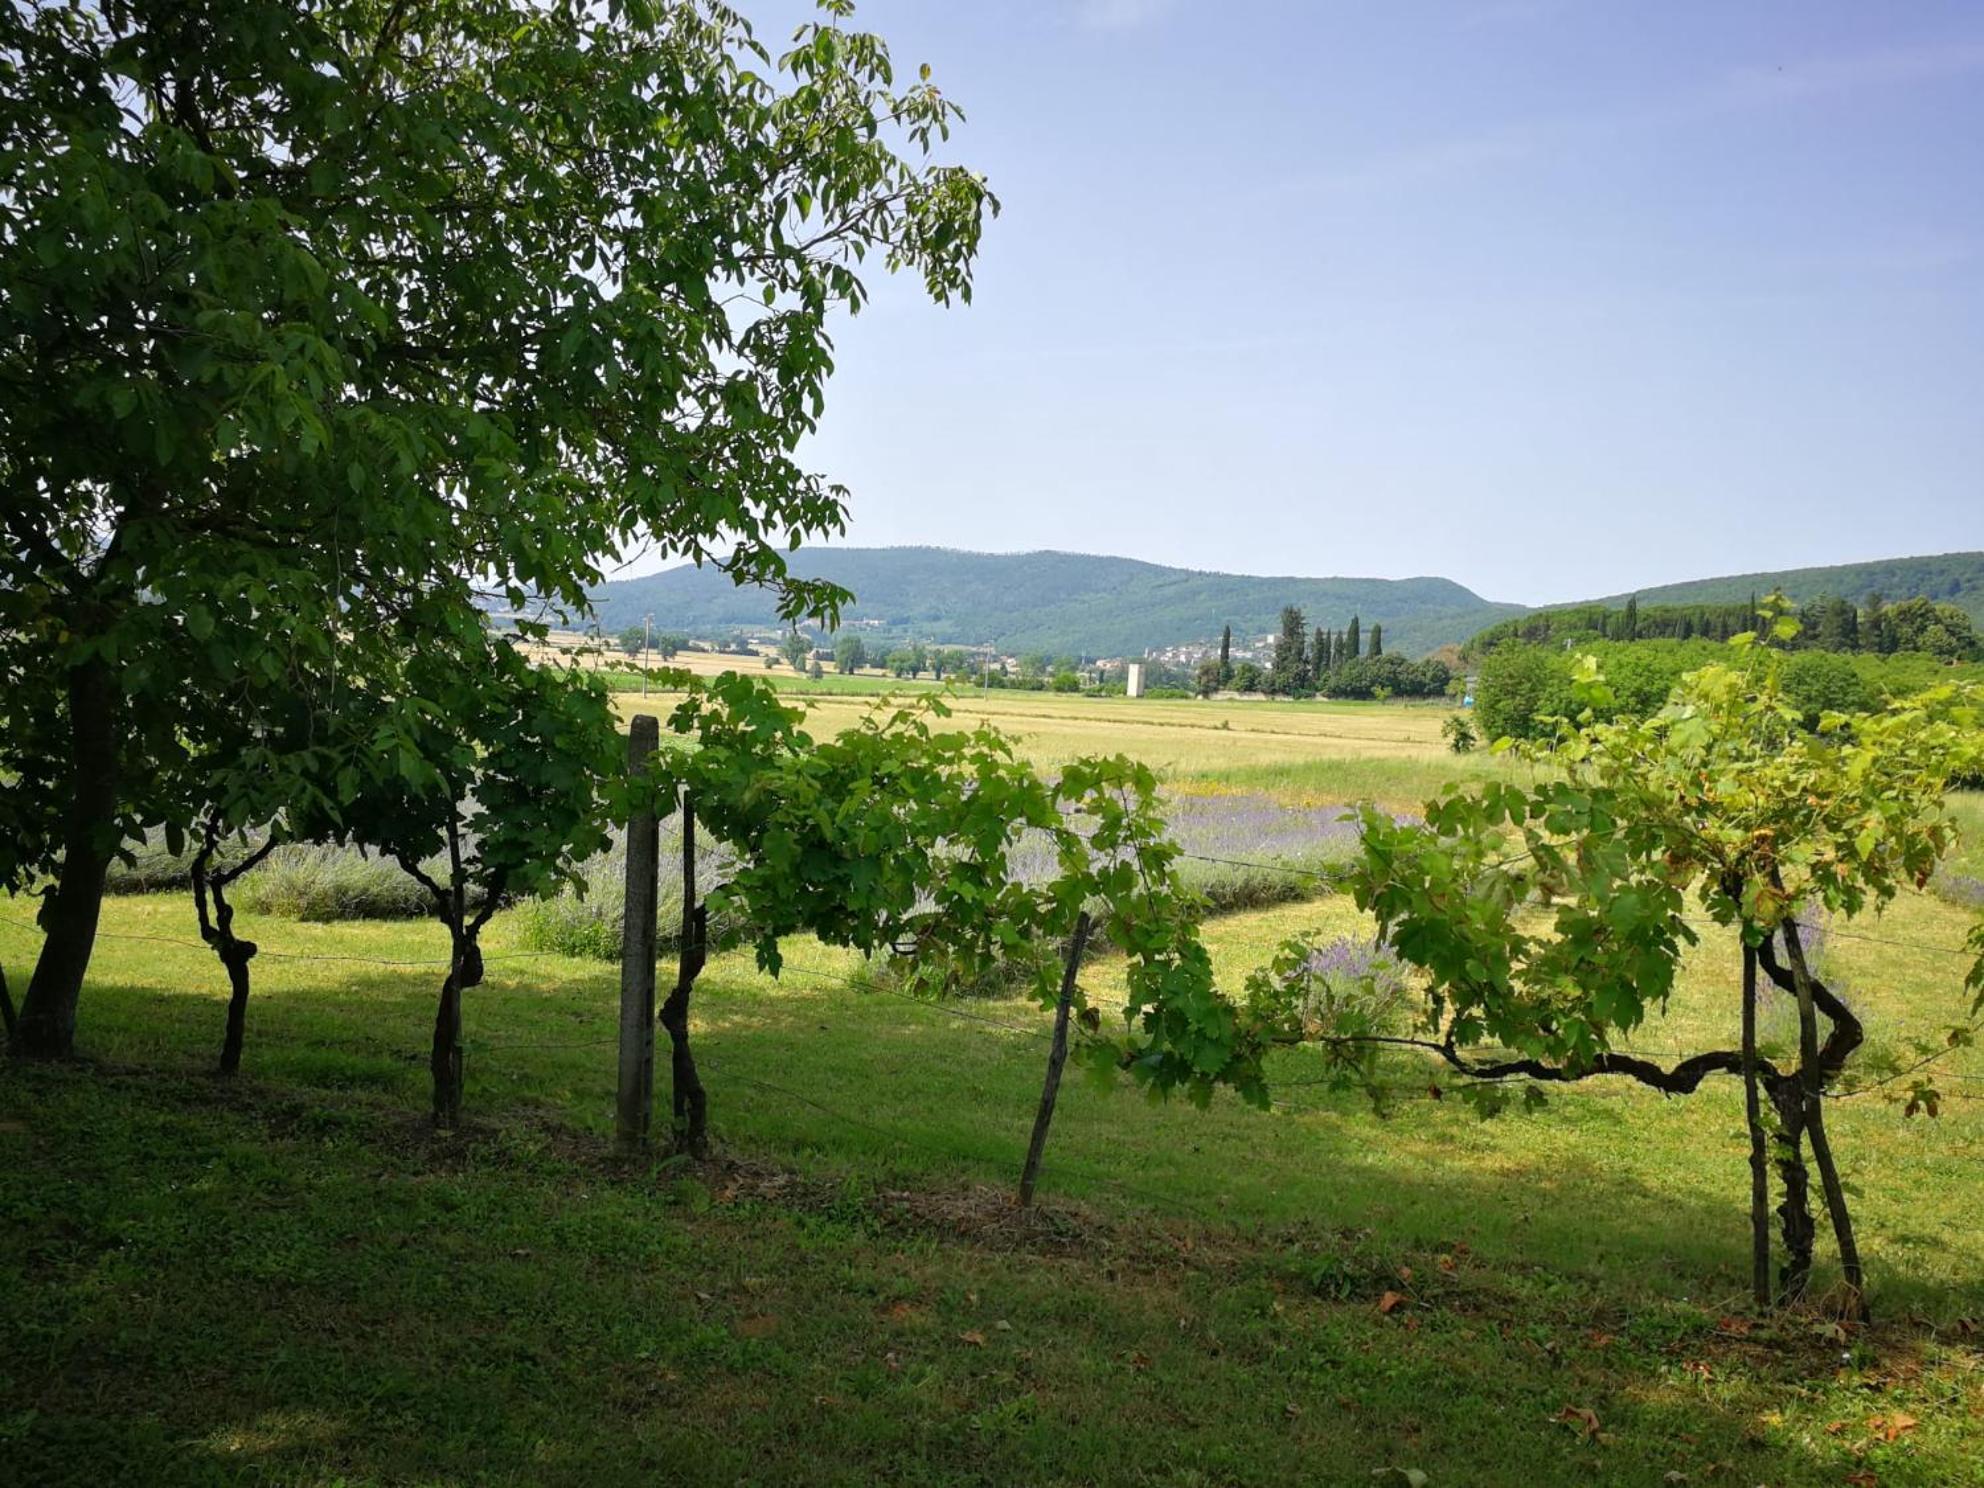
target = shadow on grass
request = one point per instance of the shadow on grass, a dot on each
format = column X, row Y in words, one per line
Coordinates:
column 286, row 1285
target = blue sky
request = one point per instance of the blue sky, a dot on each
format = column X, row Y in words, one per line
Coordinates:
column 1555, row 299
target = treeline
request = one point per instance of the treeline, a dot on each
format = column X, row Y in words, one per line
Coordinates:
column 1826, row 623
column 1519, row 686
column 1331, row 663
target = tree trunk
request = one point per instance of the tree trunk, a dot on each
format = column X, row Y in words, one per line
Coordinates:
column 1811, row 1084
column 46, row 1025
column 218, row 932
column 236, row 961
column 7, row 1018
column 688, row 1100
column 1795, row 1212
column 1759, row 1155
column 445, row 1058
column 1057, row 1057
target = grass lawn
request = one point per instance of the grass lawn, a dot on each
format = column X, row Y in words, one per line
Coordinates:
column 289, row 1279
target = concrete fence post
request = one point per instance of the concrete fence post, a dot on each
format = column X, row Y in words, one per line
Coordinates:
column 634, row 1112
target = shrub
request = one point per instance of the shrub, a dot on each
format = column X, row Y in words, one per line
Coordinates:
column 319, row 883
column 1520, row 684
column 589, row 923
column 1458, row 731
column 1825, row 682
column 300, row 881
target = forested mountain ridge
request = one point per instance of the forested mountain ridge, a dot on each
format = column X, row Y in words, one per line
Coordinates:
column 1953, row 578
column 1056, row 602
column 1096, row 605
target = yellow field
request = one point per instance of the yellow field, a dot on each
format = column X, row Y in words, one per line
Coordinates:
column 1389, row 752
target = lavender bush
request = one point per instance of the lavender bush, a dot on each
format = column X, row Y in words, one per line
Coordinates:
column 589, row 923
column 302, row 881
column 1242, row 851
column 1961, row 889
column 1352, row 984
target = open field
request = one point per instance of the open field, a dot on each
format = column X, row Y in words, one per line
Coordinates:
column 1306, row 752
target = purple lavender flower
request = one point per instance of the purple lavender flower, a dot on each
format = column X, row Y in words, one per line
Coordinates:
column 1352, row 982
column 1959, row 888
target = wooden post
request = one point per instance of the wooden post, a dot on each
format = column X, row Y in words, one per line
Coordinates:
column 1057, row 1057
column 635, row 1109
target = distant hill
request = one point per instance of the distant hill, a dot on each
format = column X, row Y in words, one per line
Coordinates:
column 1059, row 603
column 1954, row 578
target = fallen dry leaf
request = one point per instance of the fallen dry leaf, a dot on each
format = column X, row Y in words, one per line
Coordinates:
column 1389, row 1301
column 1736, row 1327
column 1866, row 1478
column 763, row 1325
column 1581, row 1418
column 1601, row 1340
column 975, row 1338
column 1892, row 1427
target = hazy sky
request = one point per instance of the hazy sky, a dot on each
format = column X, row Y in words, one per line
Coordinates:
column 1552, row 298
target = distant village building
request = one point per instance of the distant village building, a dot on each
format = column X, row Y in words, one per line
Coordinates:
column 1133, row 679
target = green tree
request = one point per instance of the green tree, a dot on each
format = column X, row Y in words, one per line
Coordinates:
column 634, row 640
column 1874, row 632
column 850, row 655
column 1288, row 672
column 1722, row 799
column 1377, row 640
column 1225, row 655
column 1518, row 686
column 1208, row 677
column 325, row 311
column 1352, row 644
column 797, row 650
column 507, row 774
column 1925, row 625
column 1831, row 623
column 904, row 833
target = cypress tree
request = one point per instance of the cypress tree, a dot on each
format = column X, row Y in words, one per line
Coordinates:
column 1289, row 672
column 1377, row 639
column 1319, row 655
column 1226, row 656
column 1351, row 641
column 1633, row 618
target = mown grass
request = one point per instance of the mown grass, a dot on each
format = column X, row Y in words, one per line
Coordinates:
column 289, row 1279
